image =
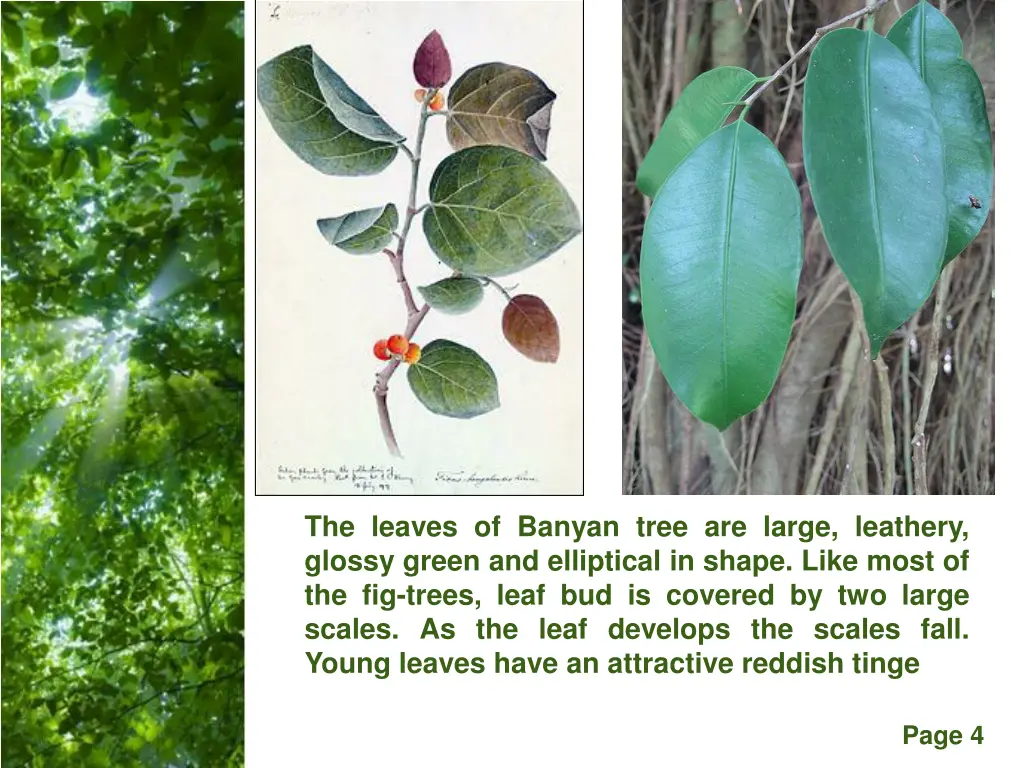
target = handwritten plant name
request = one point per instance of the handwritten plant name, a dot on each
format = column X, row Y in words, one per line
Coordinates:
column 462, row 477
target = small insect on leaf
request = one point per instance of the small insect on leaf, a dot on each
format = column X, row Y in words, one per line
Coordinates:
column 975, row 202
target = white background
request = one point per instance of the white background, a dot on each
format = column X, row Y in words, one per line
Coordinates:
column 295, row 718
column 319, row 310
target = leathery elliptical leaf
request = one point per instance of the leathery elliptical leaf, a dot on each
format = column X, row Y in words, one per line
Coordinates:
column 719, row 267
column 701, row 108
column 494, row 211
column 531, row 327
column 501, row 104
column 874, row 160
column 453, row 295
column 933, row 46
column 453, row 380
column 365, row 231
column 321, row 119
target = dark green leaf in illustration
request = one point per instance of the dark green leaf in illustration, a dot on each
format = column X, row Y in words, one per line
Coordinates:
column 531, row 327
column 719, row 266
column 873, row 154
column 302, row 114
column 65, row 86
column 933, row 46
column 500, row 104
column 349, row 108
column 454, row 295
column 366, row 231
column 701, row 108
column 494, row 211
column 453, row 380
column 45, row 55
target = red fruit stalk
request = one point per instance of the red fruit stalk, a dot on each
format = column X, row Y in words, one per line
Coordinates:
column 432, row 66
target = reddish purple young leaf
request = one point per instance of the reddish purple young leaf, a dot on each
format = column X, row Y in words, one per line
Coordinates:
column 531, row 328
column 432, row 65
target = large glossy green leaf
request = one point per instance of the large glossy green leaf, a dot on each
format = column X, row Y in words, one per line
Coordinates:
column 873, row 155
column 701, row 108
column 494, row 211
column 453, row 380
column 933, row 45
column 500, row 104
column 454, row 295
column 719, row 267
column 366, row 231
column 300, row 96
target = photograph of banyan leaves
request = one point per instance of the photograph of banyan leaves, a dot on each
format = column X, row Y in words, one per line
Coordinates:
column 122, row 287
column 808, row 258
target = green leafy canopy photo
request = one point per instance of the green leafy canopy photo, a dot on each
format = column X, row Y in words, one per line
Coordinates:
column 123, row 294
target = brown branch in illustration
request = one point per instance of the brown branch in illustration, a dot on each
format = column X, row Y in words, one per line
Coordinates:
column 415, row 314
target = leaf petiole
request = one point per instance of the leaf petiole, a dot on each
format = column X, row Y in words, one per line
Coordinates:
column 494, row 284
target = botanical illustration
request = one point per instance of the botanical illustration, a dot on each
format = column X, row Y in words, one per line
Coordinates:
column 895, row 146
column 492, row 208
column 122, row 489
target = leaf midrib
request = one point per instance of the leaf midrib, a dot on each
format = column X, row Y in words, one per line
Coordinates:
column 484, row 83
column 453, row 382
column 725, row 257
column 921, row 43
column 872, row 179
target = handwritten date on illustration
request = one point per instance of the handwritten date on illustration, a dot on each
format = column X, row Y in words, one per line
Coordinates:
column 494, row 208
column 363, row 478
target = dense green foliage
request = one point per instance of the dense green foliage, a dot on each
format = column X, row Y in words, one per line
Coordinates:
column 122, row 384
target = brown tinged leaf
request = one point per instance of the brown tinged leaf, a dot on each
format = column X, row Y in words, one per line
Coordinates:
column 531, row 328
column 432, row 66
column 500, row 104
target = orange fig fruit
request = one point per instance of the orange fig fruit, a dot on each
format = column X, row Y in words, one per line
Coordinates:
column 437, row 102
column 398, row 344
column 380, row 350
column 420, row 94
column 412, row 354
